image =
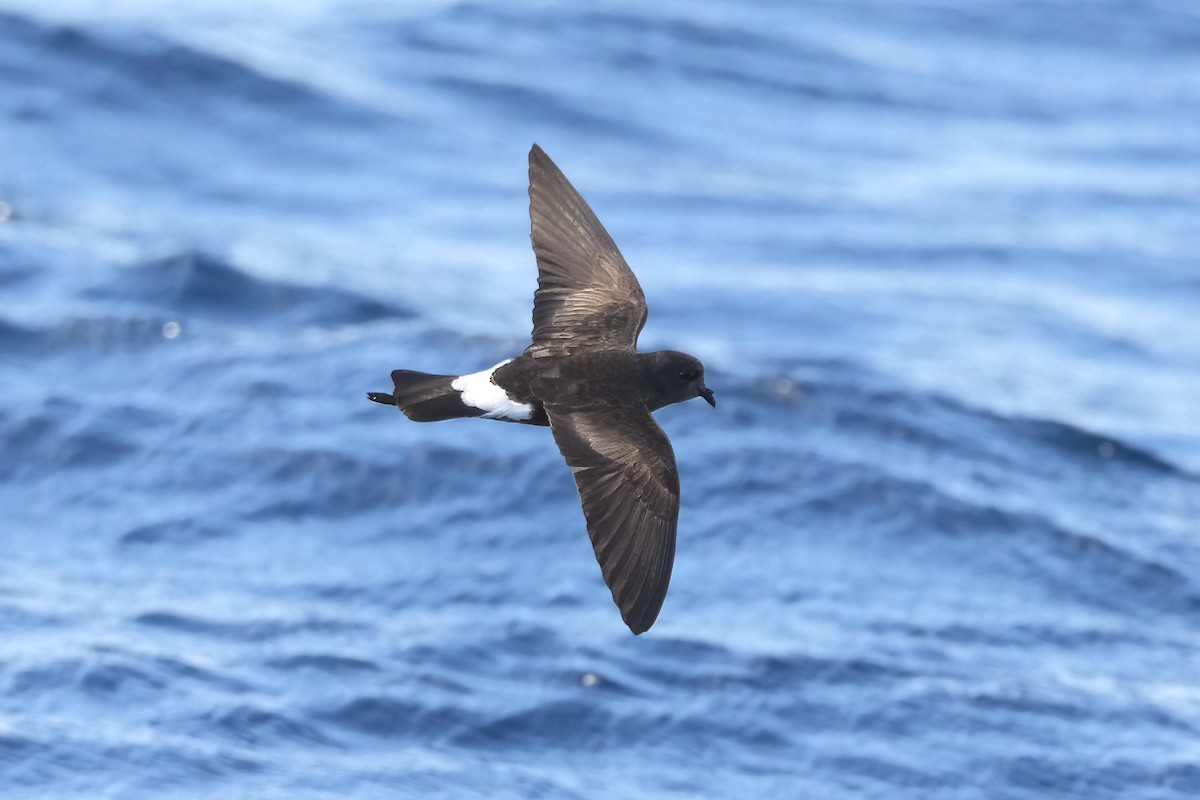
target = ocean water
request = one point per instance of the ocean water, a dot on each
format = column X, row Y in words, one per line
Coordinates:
column 940, row 539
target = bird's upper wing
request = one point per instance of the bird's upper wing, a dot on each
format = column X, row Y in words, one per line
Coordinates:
column 625, row 471
column 587, row 296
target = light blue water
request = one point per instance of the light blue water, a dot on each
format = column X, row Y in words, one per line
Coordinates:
column 940, row 539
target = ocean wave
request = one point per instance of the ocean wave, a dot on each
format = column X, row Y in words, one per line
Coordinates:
column 251, row 630
column 129, row 73
column 172, row 533
column 120, row 680
column 396, row 718
column 48, row 442
column 193, row 283
column 253, row 725
column 324, row 662
column 518, row 102
column 84, row 335
column 328, row 483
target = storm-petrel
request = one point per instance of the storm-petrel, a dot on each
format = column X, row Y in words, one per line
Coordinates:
column 583, row 376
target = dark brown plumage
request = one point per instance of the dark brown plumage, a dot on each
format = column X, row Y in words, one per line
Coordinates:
column 625, row 471
column 582, row 376
column 587, row 297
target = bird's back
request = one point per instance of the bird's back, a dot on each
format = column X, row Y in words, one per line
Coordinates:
column 603, row 378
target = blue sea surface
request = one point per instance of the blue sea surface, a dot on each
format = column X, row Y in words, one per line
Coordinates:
column 940, row 539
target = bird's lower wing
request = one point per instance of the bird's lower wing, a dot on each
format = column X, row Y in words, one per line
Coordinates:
column 625, row 471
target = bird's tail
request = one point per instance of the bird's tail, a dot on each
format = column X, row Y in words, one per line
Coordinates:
column 425, row 398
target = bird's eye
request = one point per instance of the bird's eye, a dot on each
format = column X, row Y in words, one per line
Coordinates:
column 687, row 376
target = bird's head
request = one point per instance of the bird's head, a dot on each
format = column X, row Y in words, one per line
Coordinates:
column 675, row 377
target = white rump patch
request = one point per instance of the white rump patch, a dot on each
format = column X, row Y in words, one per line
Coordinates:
column 480, row 391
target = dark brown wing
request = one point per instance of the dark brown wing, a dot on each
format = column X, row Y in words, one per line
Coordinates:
column 625, row 471
column 587, row 296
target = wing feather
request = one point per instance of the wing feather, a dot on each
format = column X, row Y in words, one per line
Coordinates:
column 587, row 297
column 625, row 471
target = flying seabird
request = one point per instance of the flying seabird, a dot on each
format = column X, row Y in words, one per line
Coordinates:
column 583, row 376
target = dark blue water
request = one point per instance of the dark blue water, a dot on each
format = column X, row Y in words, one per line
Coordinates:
column 941, row 539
